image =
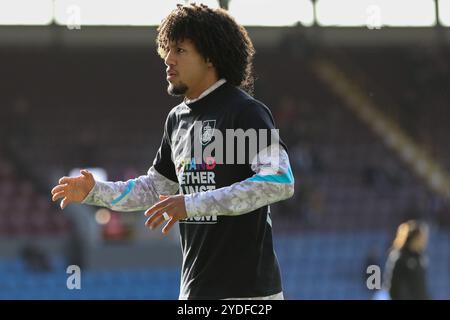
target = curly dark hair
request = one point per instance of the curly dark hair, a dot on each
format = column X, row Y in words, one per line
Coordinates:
column 217, row 37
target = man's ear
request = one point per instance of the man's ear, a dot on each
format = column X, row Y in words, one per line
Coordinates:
column 209, row 63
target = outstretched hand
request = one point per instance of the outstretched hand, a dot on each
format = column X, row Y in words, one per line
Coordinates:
column 73, row 189
column 171, row 208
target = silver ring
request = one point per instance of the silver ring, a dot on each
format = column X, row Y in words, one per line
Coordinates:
column 166, row 216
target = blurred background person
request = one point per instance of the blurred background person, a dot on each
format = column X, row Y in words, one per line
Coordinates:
column 406, row 264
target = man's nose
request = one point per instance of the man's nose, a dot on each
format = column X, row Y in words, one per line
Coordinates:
column 169, row 60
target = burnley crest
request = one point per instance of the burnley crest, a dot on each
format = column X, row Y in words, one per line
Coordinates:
column 207, row 132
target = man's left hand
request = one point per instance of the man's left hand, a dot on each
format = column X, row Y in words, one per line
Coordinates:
column 174, row 208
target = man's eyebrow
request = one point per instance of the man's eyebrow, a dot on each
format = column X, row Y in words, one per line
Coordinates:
column 179, row 42
column 175, row 44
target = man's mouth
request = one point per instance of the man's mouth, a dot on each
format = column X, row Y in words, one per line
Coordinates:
column 171, row 74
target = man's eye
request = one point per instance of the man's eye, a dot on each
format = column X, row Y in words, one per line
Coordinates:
column 180, row 50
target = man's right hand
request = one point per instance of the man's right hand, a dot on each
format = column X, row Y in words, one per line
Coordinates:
column 73, row 189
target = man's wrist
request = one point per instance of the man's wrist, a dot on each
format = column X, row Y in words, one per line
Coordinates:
column 89, row 197
column 189, row 203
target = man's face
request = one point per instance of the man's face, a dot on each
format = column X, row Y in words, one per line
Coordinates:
column 186, row 69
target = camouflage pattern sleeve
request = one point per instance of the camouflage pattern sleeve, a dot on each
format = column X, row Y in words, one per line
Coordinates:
column 273, row 181
column 133, row 195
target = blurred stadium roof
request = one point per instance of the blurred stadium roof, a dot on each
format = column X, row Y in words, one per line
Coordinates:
column 361, row 13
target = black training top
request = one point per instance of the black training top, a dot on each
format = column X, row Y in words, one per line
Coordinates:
column 223, row 256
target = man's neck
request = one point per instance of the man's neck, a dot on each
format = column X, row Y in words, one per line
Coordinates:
column 205, row 92
column 209, row 79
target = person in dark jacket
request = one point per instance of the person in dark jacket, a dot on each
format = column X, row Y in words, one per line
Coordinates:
column 405, row 275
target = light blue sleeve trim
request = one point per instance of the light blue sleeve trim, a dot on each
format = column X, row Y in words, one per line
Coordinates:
column 130, row 186
column 284, row 178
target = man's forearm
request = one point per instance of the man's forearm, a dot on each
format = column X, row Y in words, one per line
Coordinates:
column 133, row 195
column 263, row 188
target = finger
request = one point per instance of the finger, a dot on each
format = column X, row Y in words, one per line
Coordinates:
column 162, row 197
column 152, row 220
column 169, row 225
column 58, row 195
column 157, row 206
column 59, row 188
column 156, row 222
column 63, row 180
column 86, row 173
column 159, row 213
column 65, row 202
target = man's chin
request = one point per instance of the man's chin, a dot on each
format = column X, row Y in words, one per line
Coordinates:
column 176, row 90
